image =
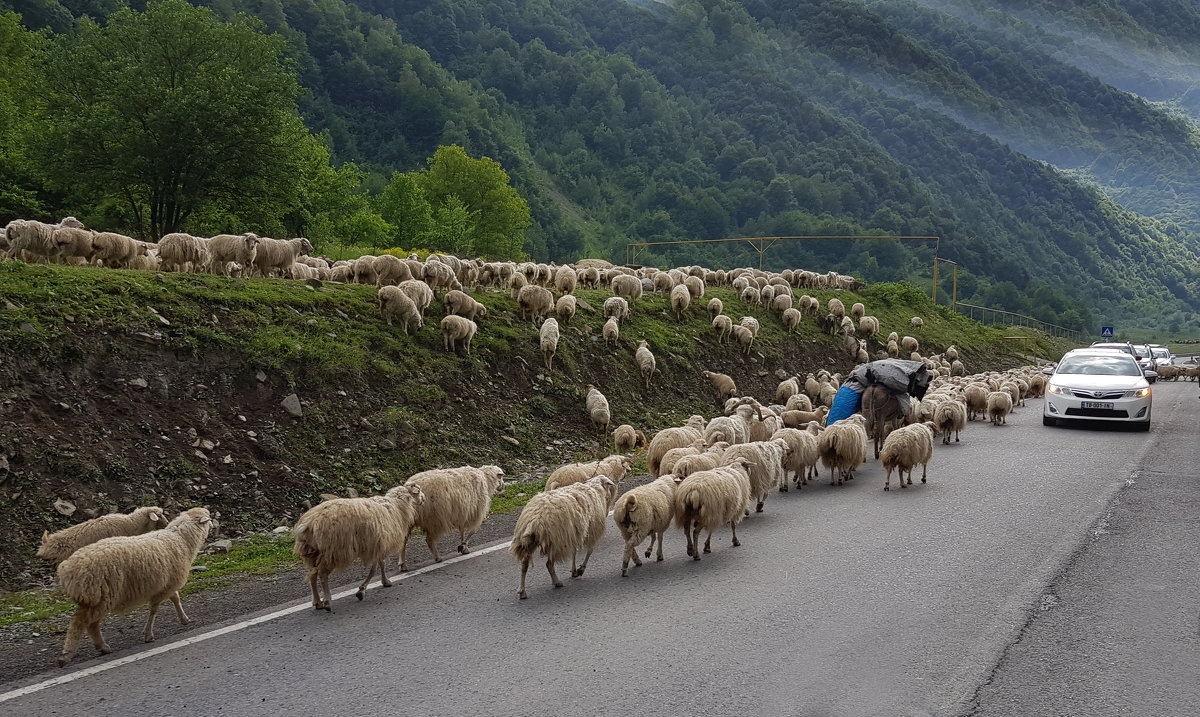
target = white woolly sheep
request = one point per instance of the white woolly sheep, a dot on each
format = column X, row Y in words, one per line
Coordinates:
column 629, row 287
column 766, row 461
column 277, row 255
column 564, row 308
column 798, row 402
column 115, row 575
column 843, row 448
column 745, row 338
column 713, row 456
column 868, row 326
column 706, row 500
column 395, row 304
column 802, row 457
column 32, row 237
column 548, row 341
column 74, row 243
column 390, row 270
column 909, row 344
column 116, row 250
column 644, row 512
column 715, row 307
column 680, row 299
column 516, row 282
column 787, row 388
column 455, row 499
column 597, row 408
column 463, row 304
column 565, row 280
column 611, row 331
column 799, row 418
column 667, row 439
column 645, row 361
column 893, row 349
column 905, row 448
column 999, row 405
column 951, row 353
column 227, row 249
column 181, row 252
column 722, row 384
column 626, row 438
column 615, row 467
column 695, row 287
column 456, row 329
column 858, row 311
column 419, row 292
column 782, row 302
column 58, row 546
column 976, row 397
column 723, row 325
column 837, row 308
column 950, row 416
column 916, row 322
column 617, row 308
column 750, row 323
column 791, row 319
column 559, row 523
column 332, row 535
column 536, row 301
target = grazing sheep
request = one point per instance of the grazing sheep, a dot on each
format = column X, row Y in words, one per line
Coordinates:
column 837, row 308
column 916, row 322
column 695, row 287
column 559, row 523
column 868, row 326
column 782, row 302
column 843, row 446
column 455, row 499
column 565, row 280
column 715, row 307
column 744, row 337
column 722, row 384
column 463, row 304
column 999, row 405
column 278, row 255
column 706, row 500
column 616, row 307
column 667, row 439
column 549, row 341
column 723, row 325
column 787, row 388
column 645, row 361
column 564, row 308
column 950, row 416
column 614, row 466
column 611, row 331
column 751, row 296
column 626, row 438
column 766, row 460
column 536, row 301
column 390, row 270
column 644, row 512
column 394, row 303
column 802, row 455
column 419, row 292
column 750, row 323
column 597, row 407
column 58, row 546
column 858, row 311
column 791, row 319
column 951, row 353
column 629, row 287
column 680, row 299
column 115, row 575
column 904, row 449
column 456, row 329
column 516, row 282
column 909, row 344
column 362, row 270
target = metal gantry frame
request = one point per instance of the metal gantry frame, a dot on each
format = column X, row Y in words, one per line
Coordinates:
column 762, row 244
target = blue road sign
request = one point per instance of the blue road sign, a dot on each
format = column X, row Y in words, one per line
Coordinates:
column 1106, row 332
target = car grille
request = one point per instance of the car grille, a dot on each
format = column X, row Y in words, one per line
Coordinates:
column 1097, row 412
column 1101, row 396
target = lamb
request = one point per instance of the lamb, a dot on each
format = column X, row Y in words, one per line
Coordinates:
column 457, row 329
column 904, row 449
column 680, row 299
column 536, row 301
column 627, row 286
column 723, row 325
column 597, row 407
column 706, row 500
column 950, row 416
column 559, row 523
column 665, row 440
column 564, row 308
column 999, row 405
column 722, row 384
column 611, row 331
column 394, row 303
column 843, row 446
column 614, row 466
column 766, row 460
column 626, row 438
column 802, row 457
column 455, row 499
column 549, row 341
column 616, row 307
column 645, row 361
column 58, row 546
column 278, row 255
column 715, row 307
column 644, row 512
column 115, row 575
column 419, row 292
column 332, row 535
column 463, row 304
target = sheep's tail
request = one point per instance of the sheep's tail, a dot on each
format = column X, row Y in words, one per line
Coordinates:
column 524, row 546
column 303, row 546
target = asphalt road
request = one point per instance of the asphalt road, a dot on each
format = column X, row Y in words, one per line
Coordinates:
column 1040, row 571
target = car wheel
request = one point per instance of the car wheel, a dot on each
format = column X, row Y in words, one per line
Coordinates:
column 1048, row 421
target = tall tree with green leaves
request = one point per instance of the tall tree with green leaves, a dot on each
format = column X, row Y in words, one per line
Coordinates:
column 404, row 206
column 172, row 110
column 18, row 83
column 476, row 191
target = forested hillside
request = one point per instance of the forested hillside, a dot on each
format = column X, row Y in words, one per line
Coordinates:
column 1060, row 190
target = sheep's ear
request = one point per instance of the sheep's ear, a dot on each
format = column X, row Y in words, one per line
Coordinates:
column 204, row 519
column 154, row 517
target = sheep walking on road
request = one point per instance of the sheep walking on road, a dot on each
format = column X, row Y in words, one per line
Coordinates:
column 59, row 546
column 644, row 512
column 559, row 523
column 706, row 500
column 456, row 499
column 906, row 448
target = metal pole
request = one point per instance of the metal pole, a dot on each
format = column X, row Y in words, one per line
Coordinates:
column 935, row 263
column 954, row 296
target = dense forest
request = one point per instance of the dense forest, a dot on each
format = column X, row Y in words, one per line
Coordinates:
column 1050, row 147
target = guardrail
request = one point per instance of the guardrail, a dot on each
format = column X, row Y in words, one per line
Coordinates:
column 988, row 315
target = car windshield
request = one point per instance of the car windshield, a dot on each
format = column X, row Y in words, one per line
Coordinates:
column 1119, row 347
column 1099, row 366
column 1161, row 353
column 1141, row 352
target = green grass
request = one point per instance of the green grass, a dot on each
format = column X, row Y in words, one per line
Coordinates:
column 32, row 606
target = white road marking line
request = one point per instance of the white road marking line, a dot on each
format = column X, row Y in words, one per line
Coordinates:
column 184, row 642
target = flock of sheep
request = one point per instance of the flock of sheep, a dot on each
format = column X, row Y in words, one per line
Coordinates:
column 705, row 474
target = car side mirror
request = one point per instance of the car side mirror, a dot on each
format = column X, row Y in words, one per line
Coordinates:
column 1049, row 370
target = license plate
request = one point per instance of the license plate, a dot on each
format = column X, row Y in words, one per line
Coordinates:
column 1096, row 404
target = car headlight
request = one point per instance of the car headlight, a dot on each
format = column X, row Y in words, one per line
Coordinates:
column 1140, row 393
column 1054, row 388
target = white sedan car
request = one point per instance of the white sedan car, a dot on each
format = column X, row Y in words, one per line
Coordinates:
column 1098, row 385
